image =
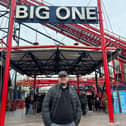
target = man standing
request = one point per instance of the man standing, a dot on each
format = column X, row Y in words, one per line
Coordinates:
column 83, row 100
column 27, row 102
column 61, row 106
column 97, row 103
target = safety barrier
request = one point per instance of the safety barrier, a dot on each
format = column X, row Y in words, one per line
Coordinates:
column 15, row 104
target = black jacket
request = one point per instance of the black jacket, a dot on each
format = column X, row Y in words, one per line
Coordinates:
column 83, row 99
column 51, row 100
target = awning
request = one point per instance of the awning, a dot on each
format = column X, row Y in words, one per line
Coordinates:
column 49, row 60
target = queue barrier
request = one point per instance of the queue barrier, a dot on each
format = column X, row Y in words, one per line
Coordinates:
column 15, row 104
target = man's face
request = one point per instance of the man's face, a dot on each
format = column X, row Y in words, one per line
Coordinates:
column 63, row 80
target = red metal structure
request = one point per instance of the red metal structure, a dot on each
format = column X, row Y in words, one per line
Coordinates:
column 107, row 80
column 7, row 64
column 50, row 82
column 34, row 83
column 113, row 69
column 85, row 34
column 122, row 73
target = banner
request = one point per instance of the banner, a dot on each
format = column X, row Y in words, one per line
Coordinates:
column 116, row 102
column 55, row 14
column 122, row 95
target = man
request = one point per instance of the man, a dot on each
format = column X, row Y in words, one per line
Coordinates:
column 27, row 102
column 97, row 103
column 83, row 100
column 61, row 106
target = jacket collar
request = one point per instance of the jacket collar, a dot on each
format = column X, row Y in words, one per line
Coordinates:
column 60, row 86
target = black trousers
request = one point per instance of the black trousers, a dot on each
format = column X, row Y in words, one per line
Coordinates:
column 83, row 107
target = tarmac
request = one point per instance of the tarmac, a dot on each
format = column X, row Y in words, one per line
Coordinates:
column 18, row 118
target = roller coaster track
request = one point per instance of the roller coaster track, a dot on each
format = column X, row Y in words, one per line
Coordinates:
column 83, row 33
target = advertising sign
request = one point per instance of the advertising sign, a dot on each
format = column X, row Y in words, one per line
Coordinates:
column 116, row 102
column 55, row 14
column 122, row 95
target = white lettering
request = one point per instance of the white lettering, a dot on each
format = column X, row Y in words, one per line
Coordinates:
column 31, row 12
column 58, row 13
column 21, row 12
column 45, row 12
column 91, row 13
column 76, row 12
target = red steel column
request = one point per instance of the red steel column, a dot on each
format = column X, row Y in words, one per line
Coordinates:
column 122, row 73
column 34, row 82
column 7, row 64
column 78, row 83
column 113, row 69
column 105, row 63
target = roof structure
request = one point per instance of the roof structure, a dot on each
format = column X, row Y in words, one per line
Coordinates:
column 46, row 60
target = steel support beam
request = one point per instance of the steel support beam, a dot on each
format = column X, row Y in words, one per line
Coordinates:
column 57, row 59
column 116, row 39
column 19, row 37
column 6, row 12
column 105, row 63
column 36, row 62
column 43, row 34
column 78, row 85
column 96, row 79
column 54, row 46
column 122, row 73
column 34, row 82
column 16, row 65
column 72, row 32
column 77, row 61
column 15, row 87
column 7, row 64
column 67, row 34
column 113, row 67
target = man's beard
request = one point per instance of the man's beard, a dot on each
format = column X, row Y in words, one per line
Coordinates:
column 63, row 84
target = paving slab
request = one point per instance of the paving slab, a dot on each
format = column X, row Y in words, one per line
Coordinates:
column 18, row 118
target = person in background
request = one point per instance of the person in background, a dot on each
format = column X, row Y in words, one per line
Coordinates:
column 90, row 101
column 83, row 100
column 27, row 102
column 97, row 103
column 31, row 104
column 105, row 103
column 61, row 105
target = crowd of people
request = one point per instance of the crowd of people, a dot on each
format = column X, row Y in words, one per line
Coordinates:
column 33, row 103
column 93, row 102
column 89, row 102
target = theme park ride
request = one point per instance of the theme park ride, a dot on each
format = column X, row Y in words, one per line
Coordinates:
column 94, row 39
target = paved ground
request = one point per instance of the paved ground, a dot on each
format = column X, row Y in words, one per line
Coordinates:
column 18, row 118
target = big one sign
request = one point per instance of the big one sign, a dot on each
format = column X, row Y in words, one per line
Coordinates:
column 54, row 14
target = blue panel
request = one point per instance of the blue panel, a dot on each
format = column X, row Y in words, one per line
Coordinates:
column 122, row 95
column 116, row 102
column 53, row 19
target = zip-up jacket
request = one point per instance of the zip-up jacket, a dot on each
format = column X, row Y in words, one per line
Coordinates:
column 51, row 100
